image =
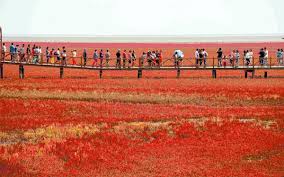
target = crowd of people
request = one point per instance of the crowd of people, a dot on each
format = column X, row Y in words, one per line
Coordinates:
column 127, row 59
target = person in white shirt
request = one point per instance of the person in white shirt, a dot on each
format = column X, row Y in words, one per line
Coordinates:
column 196, row 54
column 250, row 55
column 205, row 55
column 247, row 57
column 64, row 57
column 74, row 55
column 237, row 58
column 22, row 53
column 107, row 55
column 36, row 55
column 39, row 54
column 178, row 55
column 266, row 56
column 57, row 54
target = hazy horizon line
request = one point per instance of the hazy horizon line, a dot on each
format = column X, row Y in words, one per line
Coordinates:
column 137, row 36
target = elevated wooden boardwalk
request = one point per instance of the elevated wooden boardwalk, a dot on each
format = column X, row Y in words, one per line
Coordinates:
column 214, row 69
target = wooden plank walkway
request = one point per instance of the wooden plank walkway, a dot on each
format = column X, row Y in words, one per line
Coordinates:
column 247, row 69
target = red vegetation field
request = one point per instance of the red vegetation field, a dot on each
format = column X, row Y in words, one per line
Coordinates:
column 156, row 126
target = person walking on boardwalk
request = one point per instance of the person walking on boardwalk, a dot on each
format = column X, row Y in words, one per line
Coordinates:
column 281, row 61
column 220, row 56
column 28, row 53
column 129, row 59
column 237, row 58
column 118, row 59
column 57, row 55
column 22, row 53
column 12, row 52
column 142, row 59
column 178, row 55
column 247, row 57
column 47, row 55
column 251, row 56
column 133, row 57
column 52, row 56
column 153, row 58
column 149, row 58
column 124, row 58
column 232, row 58
column 17, row 53
column 95, row 58
column 279, row 56
column 107, row 55
column 101, row 57
column 261, row 56
column 85, row 57
column 64, row 57
column 205, row 55
column 40, row 54
column 74, row 55
column 201, row 56
column 266, row 56
column 157, row 61
column 35, row 55
column 4, row 50
column 196, row 55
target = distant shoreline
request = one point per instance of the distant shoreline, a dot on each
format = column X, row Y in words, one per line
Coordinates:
column 147, row 39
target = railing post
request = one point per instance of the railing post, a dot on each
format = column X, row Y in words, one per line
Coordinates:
column 21, row 71
column 214, row 73
column 265, row 74
column 139, row 73
column 246, row 74
column 1, row 70
column 178, row 72
column 61, row 72
column 213, row 62
column 101, row 73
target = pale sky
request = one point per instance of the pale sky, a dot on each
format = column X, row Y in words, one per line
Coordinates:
column 141, row 17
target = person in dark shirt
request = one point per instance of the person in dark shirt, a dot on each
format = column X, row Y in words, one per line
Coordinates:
column 200, row 57
column 85, row 55
column 101, row 56
column 261, row 56
column 219, row 56
column 118, row 59
column 28, row 53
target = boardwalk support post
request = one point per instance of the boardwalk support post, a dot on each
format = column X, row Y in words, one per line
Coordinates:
column 21, row 71
column 1, row 70
column 139, row 73
column 61, row 72
column 214, row 73
column 101, row 73
column 265, row 74
column 178, row 73
column 252, row 71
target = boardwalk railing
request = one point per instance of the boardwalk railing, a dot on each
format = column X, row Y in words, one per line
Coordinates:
column 140, row 64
